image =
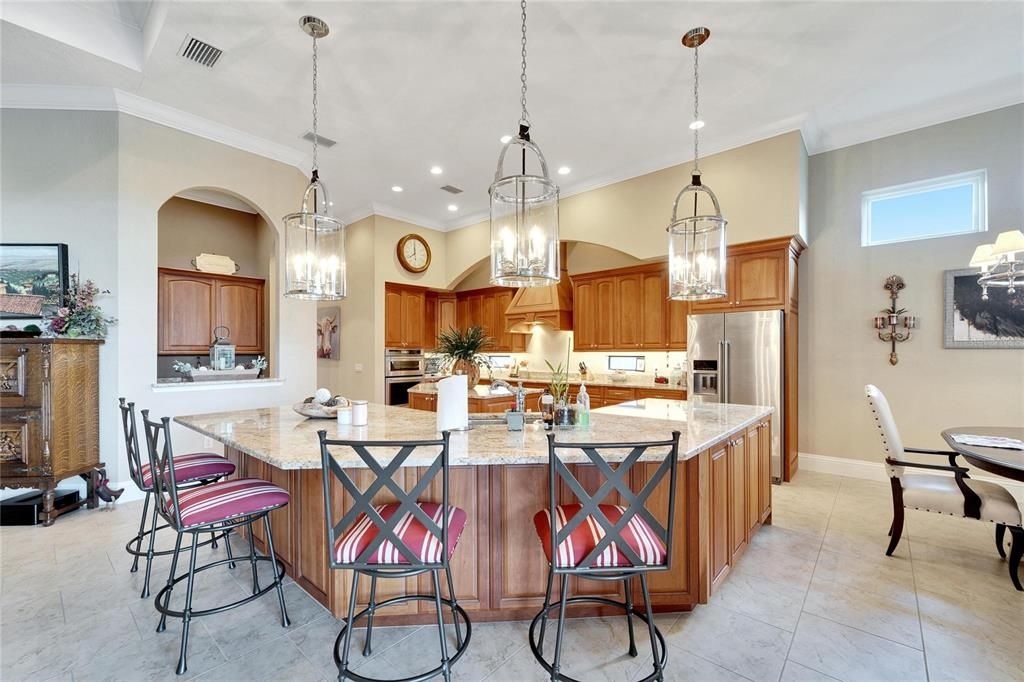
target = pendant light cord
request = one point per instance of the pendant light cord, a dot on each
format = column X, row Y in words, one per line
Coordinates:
column 524, row 116
column 696, row 109
column 316, row 137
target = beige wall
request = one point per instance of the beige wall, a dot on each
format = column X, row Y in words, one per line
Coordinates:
column 931, row 388
column 188, row 228
column 758, row 187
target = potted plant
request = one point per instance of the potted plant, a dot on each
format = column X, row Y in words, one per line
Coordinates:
column 462, row 351
column 559, row 387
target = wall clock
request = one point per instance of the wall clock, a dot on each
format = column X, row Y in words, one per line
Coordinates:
column 414, row 253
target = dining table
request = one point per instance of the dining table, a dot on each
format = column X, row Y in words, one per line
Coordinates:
column 1005, row 462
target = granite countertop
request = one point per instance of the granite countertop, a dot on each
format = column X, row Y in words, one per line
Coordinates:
column 631, row 381
column 286, row 440
column 480, row 391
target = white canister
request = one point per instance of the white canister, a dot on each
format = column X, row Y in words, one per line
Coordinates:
column 345, row 416
column 360, row 413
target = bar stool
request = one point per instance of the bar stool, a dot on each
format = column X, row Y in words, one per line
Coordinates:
column 600, row 541
column 193, row 469
column 400, row 539
column 216, row 506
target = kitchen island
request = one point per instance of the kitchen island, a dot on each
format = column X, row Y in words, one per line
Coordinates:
column 500, row 479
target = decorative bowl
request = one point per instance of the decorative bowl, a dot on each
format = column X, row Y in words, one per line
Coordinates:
column 313, row 410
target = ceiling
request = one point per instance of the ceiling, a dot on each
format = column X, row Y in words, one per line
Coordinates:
column 407, row 85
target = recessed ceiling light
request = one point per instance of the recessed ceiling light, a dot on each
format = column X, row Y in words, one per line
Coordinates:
column 396, row 188
column 453, row 208
column 564, row 170
column 697, row 125
column 436, row 170
column 505, row 139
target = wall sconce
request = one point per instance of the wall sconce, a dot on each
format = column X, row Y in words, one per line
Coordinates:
column 893, row 325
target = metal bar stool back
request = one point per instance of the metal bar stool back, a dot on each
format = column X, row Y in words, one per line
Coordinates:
column 397, row 539
column 217, row 506
column 600, row 540
column 198, row 469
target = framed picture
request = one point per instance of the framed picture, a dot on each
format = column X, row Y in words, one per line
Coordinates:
column 973, row 323
column 33, row 280
column 327, row 338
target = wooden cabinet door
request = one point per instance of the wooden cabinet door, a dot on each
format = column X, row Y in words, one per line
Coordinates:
column 392, row 318
column 677, row 313
column 419, row 401
column 726, row 303
column 605, row 309
column 614, row 396
column 719, row 522
column 518, row 567
column 239, row 307
column 414, row 310
column 759, row 280
column 475, row 311
column 737, row 496
column 584, row 313
column 752, row 492
column 447, row 313
column 653, row 306
column 764, row 471
column 629, row 311
column 186, row 304
column 489, row 321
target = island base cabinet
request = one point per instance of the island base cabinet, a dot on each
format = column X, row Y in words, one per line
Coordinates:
column 499, row 569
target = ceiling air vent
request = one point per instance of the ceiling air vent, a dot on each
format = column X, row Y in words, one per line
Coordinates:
column 324, row 142
column 199, row 52
column 452, row 189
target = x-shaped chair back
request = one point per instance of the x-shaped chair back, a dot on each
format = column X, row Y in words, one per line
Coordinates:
column 362, row 501
column 161, row 462
column 615, row 480
column 131, row 442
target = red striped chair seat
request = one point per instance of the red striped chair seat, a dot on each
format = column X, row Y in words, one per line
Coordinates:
column 582, row 541
column 410, row 530
column 227, row 500
column 193, row 467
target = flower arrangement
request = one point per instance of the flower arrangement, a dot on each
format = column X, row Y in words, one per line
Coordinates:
column 462, row 351
column 80, row 316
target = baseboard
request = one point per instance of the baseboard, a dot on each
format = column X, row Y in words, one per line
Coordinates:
column 875, row 471
column 131, row 491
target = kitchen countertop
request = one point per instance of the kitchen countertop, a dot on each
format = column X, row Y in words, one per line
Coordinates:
column 632, row 381
column 480, row 391
column 286, row 440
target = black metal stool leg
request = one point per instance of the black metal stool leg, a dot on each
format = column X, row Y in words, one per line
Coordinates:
column 1016, row 553
column 454, row 605
column 367, row 646
column 252, row 560
column 560, row 631
column 1000, row 534
column 445, row 670
column 277, row 577
column 149, row 553
column 351, row 624
column 547, row 601
column 650, row 627
column 162, row 625
column 627, row 584
column 186, row 618
column 227, row 546
column 213, row 540
column 138, row 538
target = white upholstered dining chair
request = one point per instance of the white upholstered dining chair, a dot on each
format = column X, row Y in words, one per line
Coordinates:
column 956, row 495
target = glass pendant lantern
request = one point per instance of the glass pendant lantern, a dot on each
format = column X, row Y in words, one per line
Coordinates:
column 696, row 242
column 314, row 239
column 524, row 208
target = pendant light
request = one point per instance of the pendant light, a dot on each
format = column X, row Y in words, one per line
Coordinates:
column 524, row 208
column 314, row 240
column 696, row 243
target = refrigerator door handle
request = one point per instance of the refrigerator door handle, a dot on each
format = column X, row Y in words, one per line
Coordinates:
column 723, row 372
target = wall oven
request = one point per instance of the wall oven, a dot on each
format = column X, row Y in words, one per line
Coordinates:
column 403, row 369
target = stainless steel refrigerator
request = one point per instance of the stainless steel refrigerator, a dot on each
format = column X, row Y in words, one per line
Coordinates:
column 739, row 358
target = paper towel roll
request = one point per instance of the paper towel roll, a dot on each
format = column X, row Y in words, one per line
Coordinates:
column 453, row 403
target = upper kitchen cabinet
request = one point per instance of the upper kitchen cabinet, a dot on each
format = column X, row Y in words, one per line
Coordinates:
column 192, row 304
column 405, row 317
column 624, row 309
column 757, row 276
column 486, row 308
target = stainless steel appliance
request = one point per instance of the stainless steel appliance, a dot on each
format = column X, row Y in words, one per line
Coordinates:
column 739, row 358
column 403, row 369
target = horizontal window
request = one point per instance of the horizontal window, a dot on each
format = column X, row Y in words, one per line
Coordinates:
column 939, row 207
column 627, row 363
column 500, row 361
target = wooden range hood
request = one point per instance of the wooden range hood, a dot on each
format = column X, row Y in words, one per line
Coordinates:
column 550, row 306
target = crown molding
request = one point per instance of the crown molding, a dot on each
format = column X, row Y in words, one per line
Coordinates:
column 91, row 98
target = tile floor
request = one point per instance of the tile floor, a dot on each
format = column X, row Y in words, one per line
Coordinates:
column 813, row 599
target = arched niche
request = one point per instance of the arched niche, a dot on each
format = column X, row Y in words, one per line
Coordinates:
column 218, row 221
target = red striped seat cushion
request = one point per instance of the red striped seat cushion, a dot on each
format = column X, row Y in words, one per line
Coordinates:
column 410, row 530
column 193, row 467
column 582, row 541
column 228, row 499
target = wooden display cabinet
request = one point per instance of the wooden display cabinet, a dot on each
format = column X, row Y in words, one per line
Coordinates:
column 192, row 304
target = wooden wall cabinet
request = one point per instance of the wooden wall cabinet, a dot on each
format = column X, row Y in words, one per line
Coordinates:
column 192, row 304
column 756, row 279
column 486, row 308
column 405, row 317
